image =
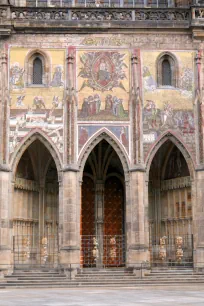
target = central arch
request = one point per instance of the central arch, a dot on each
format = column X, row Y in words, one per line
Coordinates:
column 103, row 208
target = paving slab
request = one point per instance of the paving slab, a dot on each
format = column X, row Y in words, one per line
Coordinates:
column 140, row 296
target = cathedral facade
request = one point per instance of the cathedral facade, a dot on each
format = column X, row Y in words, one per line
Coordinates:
column 101, row 133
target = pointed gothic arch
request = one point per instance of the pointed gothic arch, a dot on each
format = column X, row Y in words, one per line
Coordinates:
column 113, row 141
column 178, row 143
column 36, row 134
column 103, row 204
column 170, row 174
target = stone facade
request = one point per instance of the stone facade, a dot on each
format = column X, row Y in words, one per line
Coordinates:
column 103, row 86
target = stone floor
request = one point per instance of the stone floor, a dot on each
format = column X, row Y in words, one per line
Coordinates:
column 171, row 296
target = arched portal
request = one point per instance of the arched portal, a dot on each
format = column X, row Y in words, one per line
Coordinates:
column 103, row 209
column 170, row 207
column 35, row 208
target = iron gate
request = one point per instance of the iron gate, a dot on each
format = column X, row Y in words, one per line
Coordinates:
column 172, row 250
column 109, row 251
column 35, row 251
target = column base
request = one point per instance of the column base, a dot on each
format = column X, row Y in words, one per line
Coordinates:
column 137, row 254
column 69, row 255
column 6, row 260
column 198, row 259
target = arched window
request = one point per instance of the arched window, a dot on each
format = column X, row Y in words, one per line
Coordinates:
column 166, row 73
column 37, row 71
column 37, row 68
column 167, row 70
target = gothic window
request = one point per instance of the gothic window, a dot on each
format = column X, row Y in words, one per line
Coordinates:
column 167, row 70
column 37, row 68
column 37, row 71
column 166, row 73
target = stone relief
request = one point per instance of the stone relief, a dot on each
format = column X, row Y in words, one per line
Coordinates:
column 109, row 15
column 101, row 15
column 162, row 15
column 39, row 14
column 199, row 13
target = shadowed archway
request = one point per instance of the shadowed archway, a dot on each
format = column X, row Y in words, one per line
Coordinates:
column 170, row 207
column 35, row 208
column 103, row 209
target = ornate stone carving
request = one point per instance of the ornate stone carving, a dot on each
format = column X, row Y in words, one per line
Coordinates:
column 176, row 183
column 44, row 250
column 39, row 14
column 199, row 13
column 98, row 15
column 3, row 13
column 162, row 248
column 24, row 184
column 103, row 135
column 167, row 15
column 179, row 251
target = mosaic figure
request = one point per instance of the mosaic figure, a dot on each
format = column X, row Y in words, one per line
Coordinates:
column 16, row 76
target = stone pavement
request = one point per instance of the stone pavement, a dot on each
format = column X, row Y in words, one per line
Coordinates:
column 162, row 296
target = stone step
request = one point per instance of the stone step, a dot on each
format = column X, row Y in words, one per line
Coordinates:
column 104, row 284
column 33, row 276
column 96, row 286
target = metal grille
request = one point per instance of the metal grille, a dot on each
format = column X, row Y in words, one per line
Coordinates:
column 166, row 73
column 106, row 252
column 170, row 248
column 37, row 71
column 35, row 251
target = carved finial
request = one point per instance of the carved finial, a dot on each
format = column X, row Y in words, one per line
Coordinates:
column 4, row 58
column 70, row 59
column 198, row 58
column 134, row 59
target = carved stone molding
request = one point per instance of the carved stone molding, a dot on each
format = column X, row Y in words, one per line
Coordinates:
column 180, row 146
column 163, row 15
column 180, row 182
column 34, row 135
column 105, row 15
column 24, row 184
column 39, row 14
column 90, row 146
column 101, row 15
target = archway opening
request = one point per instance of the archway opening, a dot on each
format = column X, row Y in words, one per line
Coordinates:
column 35, row 208
column 170, row 208
column 103, row 209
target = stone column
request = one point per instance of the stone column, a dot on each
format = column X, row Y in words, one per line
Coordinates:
column 69, row 210
column 69, row 220
column 99, row 219
column 198, row 219
column 137, row 244
column 5, row 180
column 5, row 226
